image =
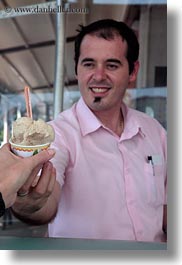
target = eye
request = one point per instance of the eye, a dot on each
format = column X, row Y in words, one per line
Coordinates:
column 112, row 66
column 88, row 65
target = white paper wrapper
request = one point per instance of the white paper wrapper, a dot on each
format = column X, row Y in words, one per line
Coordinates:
column 27, row 151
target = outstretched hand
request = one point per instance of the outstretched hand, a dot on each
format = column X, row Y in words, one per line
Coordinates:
column 18, row 172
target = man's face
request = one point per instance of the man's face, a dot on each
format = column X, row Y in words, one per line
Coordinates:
column 103, row 72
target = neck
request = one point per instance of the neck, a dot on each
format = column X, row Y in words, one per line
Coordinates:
column 112, row 119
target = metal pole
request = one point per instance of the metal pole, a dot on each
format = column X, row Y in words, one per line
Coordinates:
column 5, row 130
column 144, row 29
column 59, row 61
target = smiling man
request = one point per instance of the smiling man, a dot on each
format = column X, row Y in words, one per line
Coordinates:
column 107, row 187
column 103, row 76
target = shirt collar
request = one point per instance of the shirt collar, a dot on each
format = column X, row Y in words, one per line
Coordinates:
column 132, row 123
column 89, row 122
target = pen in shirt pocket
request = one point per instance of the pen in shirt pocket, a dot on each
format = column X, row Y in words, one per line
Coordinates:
column 150, row 161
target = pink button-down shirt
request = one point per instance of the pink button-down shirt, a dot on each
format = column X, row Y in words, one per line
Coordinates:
column 109, row 188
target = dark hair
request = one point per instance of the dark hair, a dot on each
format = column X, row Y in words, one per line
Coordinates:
column 108, row 29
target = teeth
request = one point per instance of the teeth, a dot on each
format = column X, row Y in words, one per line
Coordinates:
column 99, row 90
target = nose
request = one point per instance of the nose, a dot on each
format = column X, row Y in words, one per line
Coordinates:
column 99, row 73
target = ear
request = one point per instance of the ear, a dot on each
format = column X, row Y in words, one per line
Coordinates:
column 133, row 75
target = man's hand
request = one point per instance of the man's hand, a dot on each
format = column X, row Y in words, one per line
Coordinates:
column 35, row 207
column 17, row 172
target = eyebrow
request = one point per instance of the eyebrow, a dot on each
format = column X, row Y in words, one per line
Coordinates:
column 87, row 60
column 111, row 60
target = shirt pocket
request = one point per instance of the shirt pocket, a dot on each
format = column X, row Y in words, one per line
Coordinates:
column 155, row 187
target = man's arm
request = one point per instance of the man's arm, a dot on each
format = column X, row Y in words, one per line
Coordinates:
column 39, row 206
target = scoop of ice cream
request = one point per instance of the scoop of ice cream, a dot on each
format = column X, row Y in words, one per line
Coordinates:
column 26, row 131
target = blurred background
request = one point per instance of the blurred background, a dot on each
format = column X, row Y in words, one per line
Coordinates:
column 37, row 50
